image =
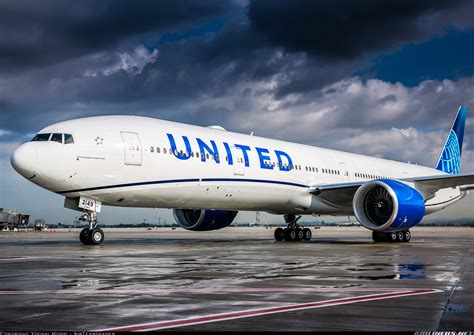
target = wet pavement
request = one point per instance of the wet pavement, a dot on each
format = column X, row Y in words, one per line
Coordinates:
column 237, row 279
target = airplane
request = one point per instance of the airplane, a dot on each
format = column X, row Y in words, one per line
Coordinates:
column 208, row 174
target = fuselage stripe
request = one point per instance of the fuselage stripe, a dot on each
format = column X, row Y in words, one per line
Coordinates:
column 194, row 180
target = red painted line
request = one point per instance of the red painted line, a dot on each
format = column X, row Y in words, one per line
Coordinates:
column 263, row 311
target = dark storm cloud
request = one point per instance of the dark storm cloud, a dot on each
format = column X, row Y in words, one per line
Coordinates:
column 237, row 62
column 345, row 29
column 49, row 31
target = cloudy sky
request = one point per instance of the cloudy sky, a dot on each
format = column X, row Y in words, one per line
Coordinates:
column 382, row 78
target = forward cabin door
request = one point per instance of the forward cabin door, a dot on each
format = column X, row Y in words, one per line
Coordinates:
column 239, row 164
column 132, row 147
column 344, row 171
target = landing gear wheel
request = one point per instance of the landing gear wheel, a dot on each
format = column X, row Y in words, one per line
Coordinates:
column 290, row 235
column 406, row 236
column 84, row 236
column 393, row 237
column 400, row 236
column 279, row 234
column 307, row 234
column 376, row 236
column 299, row 234
column 96, row 236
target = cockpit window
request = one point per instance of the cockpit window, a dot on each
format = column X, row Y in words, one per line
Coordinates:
column 57, row 138
column 68, row 139
column 41, row 138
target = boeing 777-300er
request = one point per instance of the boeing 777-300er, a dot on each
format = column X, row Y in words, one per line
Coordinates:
column 207, row 174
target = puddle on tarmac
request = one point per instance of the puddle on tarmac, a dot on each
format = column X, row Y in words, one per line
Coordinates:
column 402, row 271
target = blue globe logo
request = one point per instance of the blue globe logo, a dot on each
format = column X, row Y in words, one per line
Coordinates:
column 450, row 160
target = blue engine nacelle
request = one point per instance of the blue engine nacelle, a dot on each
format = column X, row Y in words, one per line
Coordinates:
column 203, row 219
column 388, row 205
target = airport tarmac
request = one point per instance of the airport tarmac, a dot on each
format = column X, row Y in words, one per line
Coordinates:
column 237, row 279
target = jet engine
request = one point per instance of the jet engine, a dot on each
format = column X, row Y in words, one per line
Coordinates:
column 388, row 205
column 203, row 219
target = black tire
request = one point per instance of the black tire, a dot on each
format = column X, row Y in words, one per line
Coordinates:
column 299, row 234
column 96, row 236
column 376, row 236
column 279, row 234
column 84, row 236
column 401, row 236
column 406, row 236
column 307, row 234
column 290, row 235
column 393, row 237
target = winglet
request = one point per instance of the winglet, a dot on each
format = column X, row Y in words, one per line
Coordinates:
column 450, row 158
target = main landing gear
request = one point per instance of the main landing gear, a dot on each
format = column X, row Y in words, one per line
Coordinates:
column 395, row 236
column 91, row 235
column 293, row 232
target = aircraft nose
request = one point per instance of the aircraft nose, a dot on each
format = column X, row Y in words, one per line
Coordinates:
column 24, row 160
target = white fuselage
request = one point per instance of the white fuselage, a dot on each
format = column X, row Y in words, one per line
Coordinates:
column 121, row 161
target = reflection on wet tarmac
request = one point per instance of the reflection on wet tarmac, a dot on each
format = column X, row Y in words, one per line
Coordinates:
column 137, row 277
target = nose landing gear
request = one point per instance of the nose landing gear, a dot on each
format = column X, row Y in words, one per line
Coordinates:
column 293, row 231
column 91, row 235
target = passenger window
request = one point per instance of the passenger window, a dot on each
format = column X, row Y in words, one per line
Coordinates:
column 157, row 150
column 68, row 139
column 41, row 138
column 57, row 138
column 152, row 149
column 164, row 150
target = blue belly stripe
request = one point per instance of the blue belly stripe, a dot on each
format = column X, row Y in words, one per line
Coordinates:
column 174, row 181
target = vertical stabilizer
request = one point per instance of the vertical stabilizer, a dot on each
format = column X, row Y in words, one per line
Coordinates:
column 450, row 158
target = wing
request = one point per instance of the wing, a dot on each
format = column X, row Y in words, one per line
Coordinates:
column 341, row 195
column 428, row 186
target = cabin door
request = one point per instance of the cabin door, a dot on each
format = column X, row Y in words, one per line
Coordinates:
column 132, row 147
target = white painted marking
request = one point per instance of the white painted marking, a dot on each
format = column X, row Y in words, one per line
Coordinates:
column 97, row 290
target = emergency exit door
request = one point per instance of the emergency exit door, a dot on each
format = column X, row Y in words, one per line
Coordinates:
column 239, row 163
column 344, row 171
column 132, row 147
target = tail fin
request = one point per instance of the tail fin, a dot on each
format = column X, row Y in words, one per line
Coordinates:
column 450, row 158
